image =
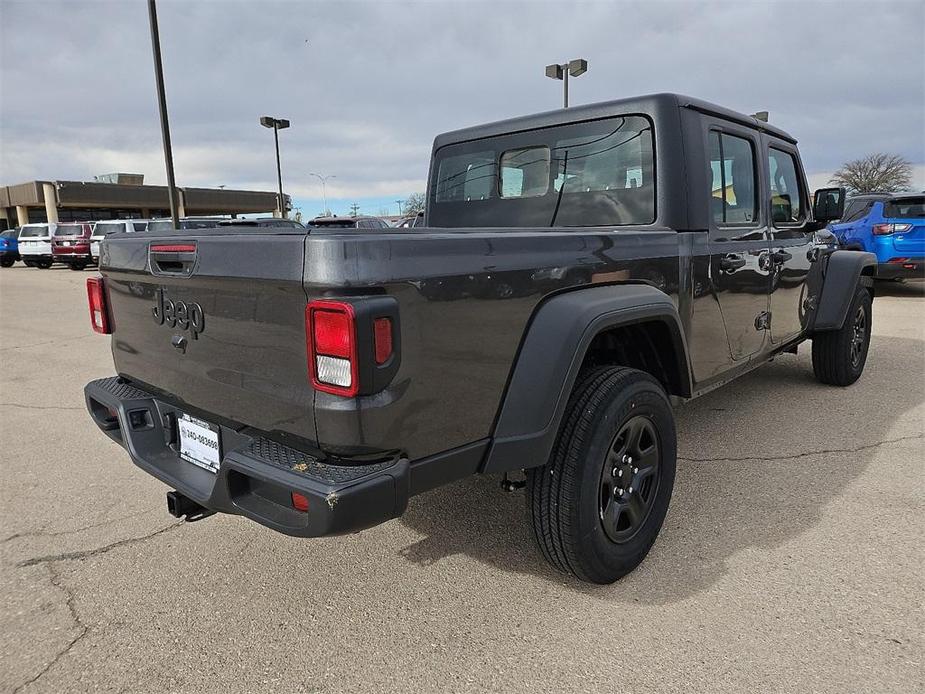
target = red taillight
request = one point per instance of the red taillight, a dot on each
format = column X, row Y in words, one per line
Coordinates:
column 173, row 247
column 330, row 334
column 887, row 229
column 382, row 337
column 299, row 502
column 99, row 317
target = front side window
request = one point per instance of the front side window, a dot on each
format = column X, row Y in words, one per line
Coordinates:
column 786, row 195
column 732, row 162
column 595, row 173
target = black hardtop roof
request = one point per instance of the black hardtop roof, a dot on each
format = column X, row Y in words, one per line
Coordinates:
column 604, row 109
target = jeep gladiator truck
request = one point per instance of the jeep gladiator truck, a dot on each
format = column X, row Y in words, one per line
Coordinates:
column 578, row 271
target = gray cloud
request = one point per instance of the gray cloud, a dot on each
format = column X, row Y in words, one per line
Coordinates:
column 368, row 85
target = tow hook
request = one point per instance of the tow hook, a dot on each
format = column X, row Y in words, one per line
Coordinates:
column 509, row 485
column 179, row 506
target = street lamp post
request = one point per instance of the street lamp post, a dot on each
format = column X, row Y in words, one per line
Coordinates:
column 399, row 206
column 277, row 124
column 324, row 195
column 162, row 107
column 575, row 68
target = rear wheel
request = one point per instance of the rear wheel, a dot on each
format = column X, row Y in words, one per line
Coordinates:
column 7, row 262
column 78, row 266
column 44, row 263
column 599, row 502
column 839, row 355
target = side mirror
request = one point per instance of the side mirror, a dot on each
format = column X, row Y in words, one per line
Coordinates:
column 828, row 204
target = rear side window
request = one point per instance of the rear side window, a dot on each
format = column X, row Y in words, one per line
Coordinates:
column 904, row 208
column 855, row 210
column 163, row 225
column 732, row 162
column 140, row 226
column 466, row 177
column 786, row 197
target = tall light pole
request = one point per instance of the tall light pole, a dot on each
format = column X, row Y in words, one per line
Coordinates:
column 324, row 195
column 399, row 206
column 277, row 124
column 575, row 68
column 162, row 107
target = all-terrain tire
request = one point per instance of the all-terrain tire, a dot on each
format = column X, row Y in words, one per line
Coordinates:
column 568, row 498
column 839, row 355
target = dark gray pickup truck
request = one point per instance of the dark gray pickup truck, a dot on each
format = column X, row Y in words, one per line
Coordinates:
column 578, row 271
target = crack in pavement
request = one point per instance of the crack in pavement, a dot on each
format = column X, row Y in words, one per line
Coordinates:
column 82, row 630
column 59, row 533
column 84, row 554
column 41, row 407
column 806, row 454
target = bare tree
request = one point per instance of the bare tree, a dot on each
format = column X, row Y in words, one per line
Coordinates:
column 414, row 204
column 875, row 173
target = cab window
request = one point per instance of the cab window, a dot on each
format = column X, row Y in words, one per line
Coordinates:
column 732, row 162
column 786, row 196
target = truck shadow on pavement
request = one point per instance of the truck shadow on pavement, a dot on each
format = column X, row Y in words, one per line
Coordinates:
column 759, row 461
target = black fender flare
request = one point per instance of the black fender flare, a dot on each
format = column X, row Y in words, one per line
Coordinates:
column 550, row 357
column 843, row 271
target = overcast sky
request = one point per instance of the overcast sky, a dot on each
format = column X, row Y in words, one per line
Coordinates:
column 367, row 85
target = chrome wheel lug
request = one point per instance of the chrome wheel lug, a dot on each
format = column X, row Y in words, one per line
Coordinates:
column 629, row 490
column 635, row 470
column 616, row 472
column 617, row 492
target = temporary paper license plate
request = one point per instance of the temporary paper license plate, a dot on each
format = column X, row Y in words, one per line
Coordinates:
column 199, row 442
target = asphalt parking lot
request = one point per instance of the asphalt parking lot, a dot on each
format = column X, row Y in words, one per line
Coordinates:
column 791, row 559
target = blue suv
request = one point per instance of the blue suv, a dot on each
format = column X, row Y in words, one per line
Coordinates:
column 891, row 226
column 9, row 247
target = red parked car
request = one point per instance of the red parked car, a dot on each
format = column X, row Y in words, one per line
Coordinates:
column 71, row 244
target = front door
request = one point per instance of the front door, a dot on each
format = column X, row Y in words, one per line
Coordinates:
column 791, row 241
column 739, row 249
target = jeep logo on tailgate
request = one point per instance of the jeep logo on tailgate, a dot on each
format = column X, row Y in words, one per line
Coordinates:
column 179, row 314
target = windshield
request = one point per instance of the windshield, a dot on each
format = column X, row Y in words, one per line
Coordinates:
column 104, row 228
column 904, row 208
column 597, row 173
column 69, row 230
column 199, row 223
column 160, row 225
column 38, row 230
column 333, row 223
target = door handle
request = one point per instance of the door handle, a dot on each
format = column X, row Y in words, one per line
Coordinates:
column 780, row 256
column 731, row 262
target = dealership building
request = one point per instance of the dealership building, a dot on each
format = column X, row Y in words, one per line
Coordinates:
column 122, row 196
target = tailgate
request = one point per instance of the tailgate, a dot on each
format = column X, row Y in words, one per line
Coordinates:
column 236, row 349
column 912, row 241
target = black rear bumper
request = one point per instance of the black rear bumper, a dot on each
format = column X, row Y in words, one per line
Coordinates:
column 912, row 268
column 257, row 475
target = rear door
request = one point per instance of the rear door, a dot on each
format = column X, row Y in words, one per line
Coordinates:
column 215, row 319
column 738, row 235
column 907, row 215
column 791, row 238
